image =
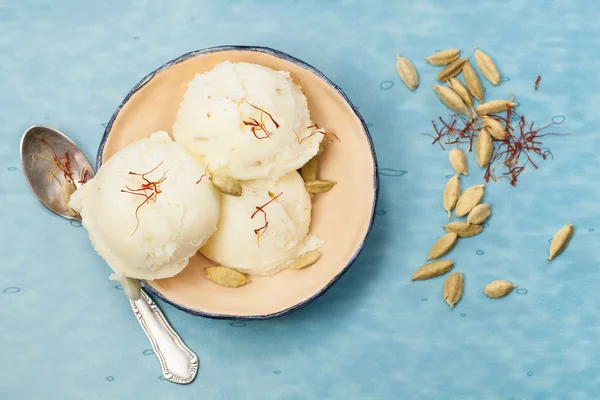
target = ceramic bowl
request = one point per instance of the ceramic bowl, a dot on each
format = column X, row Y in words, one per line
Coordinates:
column 343, row 216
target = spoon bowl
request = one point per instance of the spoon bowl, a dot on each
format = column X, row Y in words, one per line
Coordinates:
column 50, row 161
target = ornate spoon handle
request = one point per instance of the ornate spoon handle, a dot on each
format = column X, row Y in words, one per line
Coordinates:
column 178, row 363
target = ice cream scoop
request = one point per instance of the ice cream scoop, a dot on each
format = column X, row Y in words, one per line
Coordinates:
column 145, row 212
column 265, row 229
column 248, row 121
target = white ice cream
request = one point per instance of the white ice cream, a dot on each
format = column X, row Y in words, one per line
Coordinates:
column 210, row 121
column 172, row 225
column 236, row 245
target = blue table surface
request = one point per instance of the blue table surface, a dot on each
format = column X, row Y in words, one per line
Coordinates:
column 67, row 332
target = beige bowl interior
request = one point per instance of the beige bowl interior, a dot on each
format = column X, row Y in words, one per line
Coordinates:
column 341, row 216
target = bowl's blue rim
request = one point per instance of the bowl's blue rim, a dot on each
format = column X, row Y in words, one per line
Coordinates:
column 287, row 57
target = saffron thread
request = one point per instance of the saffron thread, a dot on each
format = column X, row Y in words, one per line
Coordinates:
column 62, row 164
column 259, row 232
column 257, row 126
column 148, row 189
column 204, row 174
column 330, row 136
column 515, row 152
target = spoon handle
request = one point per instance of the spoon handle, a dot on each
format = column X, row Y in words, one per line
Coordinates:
column 178, row 363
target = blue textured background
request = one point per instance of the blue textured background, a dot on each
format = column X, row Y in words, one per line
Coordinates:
column 67, row 332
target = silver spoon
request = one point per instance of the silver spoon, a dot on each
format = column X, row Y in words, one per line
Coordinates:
column 45, row 154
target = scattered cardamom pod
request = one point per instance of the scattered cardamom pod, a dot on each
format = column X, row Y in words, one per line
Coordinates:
column 479, row 214
column 321, row 148
column 451, row 70
column 483, row 148
column 432, row 269
column 497, row 289
column 226, row 184
column 560, row 240
column 451, row 194
column 460, row 90
column 305, row 260
column 487, row 67
column 458, row 161
column 453, row 288
column 318, row 186
column 468, row 200
column 443, row 57
column 463, row 228
column 450, row 99
column 310, row 170
column 226, row 276
column 495, row 106
column 407, row 72
column 442, row 246
column 494, row 127
column 473, row 82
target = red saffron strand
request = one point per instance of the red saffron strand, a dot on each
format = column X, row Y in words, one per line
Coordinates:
column 62, row 164
column 260, row 126
column 257, row 125
column 152, row 186
column 263, row 111
column 536, row 85
column 261, row 209
column 520, row 143
column 83, row 175
column 204, row 174
column 515, row 152
column 330, row 136
column 449, row 133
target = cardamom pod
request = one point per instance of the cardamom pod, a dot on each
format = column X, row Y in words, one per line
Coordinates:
column 494, row 127
column 473, row 82
column 226, row 276
column 561, row 240
column 442, row 246
column 453, row 288
column 460, row 90
column 458, row 161
column 479, row 214
column 451, row 194
column 226, row 184
column 310, row 170
column 450, row 99
column 407, row 72
column 483, row 148
column 463, row 228
column 497, row 289
column 432, row 269
column 451, row 70
column 495, row 106
column 468, row 200
column 318, row 186
column 443, row 57
column 321, row 148
column 305, row 260
column 487, row 67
